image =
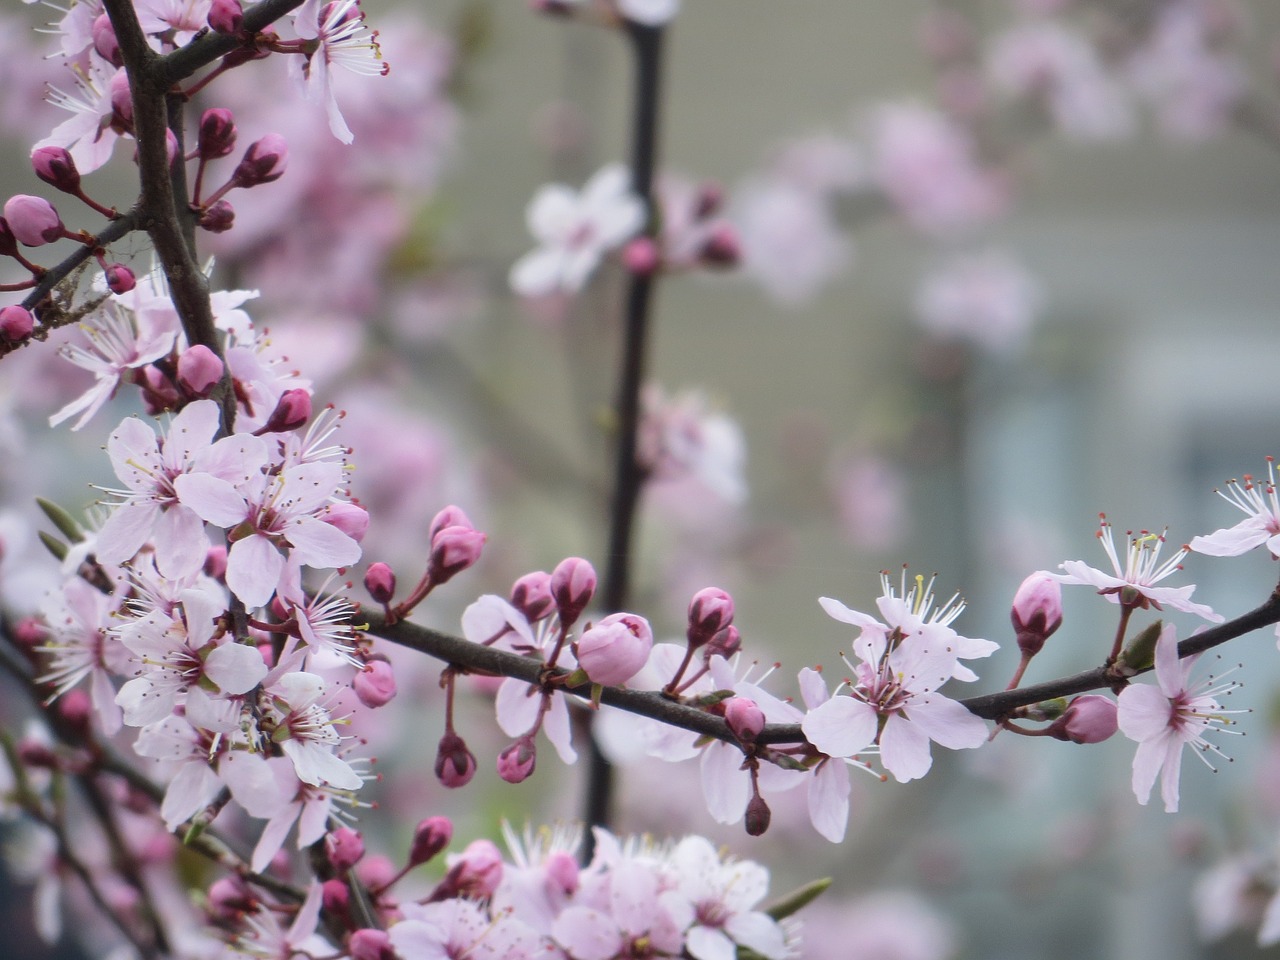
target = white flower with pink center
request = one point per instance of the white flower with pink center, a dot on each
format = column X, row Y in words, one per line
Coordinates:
column 269, row 516
column 338, row 37
column 1258, row 501
column 1137, row 577
column 78, row 646
column 305, row 730
column 1170, row 715
column 90, row 132
column 185, row 18
column 575, row 230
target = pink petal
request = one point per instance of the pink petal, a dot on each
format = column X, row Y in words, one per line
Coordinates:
column 253, row 569
column 841, row 727
column 829, row 800
column 904, row 749
column 725, row 786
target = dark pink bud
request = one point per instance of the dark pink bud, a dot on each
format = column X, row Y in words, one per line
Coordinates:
column 710, row 611
column 158, row 391
column 229, row 899
column 217, row 136
column 29, row 633
column 217, row 217
column 455, row 764
column 16, row 323
column 531, row 595
column 351, row 518
column 744, row 717
column 336, row 898
column 226, row 16
column 721, row 248
column 614, row 650
column 516, row 762
column 199, row 370
column 724, row 644
column 293, row 409
column 450, row 516
column 121, row 100
column 573, row 584
column 263, row 162
column 215, row 562
column 374, row 684
column 758, row 816
column 344, row 848
column 376, row 872
column 1088, row 719
column 55, row 167
column 33, row 220
column 430, row 837
column 120, row 278
column 76, row 710
column 454, row 549
column 105, row 42
column 1037, row 611
column 380, row 581
column 370, row 943
column 642, row 257
column 562, row 871
column 35, row 753
column 477, row 872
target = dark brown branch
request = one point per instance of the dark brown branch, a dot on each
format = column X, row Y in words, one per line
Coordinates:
column 123, row 225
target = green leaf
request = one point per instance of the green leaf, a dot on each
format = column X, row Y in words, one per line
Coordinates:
column 797, row 899
column 53, row 545
column 60, row 518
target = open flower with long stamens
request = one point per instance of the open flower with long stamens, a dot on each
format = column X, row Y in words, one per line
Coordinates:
column 1134, row 582
column 1166, row 717
column 1259, row 502
column 340, row 38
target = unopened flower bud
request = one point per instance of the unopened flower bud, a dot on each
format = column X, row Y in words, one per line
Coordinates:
column 121, row 100
column 76, row 710
column 614, row 650
column 55, row 167
column 29, row 633
column 215, row 562
column 264, row 161
column 476, row 872
column 642, row 257
column 344, row 847
column 217, row 136
column 455, row 764
column 105, row 42
column 16, row 323
column 562, row 871
column 336, row 898
column 721, row 248
column 453, row 550
column 375, row 684
column 744, row 717
column 1140, row 653
column 531, row 595
column 724, row 644
column 710, row 611
column 758, row 816
column 293, row 409
column 1036, row 612
column 351, row 518
column 199, row 370
column 1088, row 719
column 33, row 220
column 380, row 581
column 217, row 217
column 370, row 943
column 158, row 391
column 119, row 278
column 430, row 837
column 450, row 516
column 229, row 899
column 573, row 584
column 516, row 762
column 36, row 753
column 226, row 16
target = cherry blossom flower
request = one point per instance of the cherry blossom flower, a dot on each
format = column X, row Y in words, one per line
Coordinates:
column 1258, row 501
column 92, row 130
column 986, row 298
column 185, row 18
column 78, row 619
column 340, row 38
column 1168, row 716
column 575, row 230
column 1141, row 572
column 305, row 731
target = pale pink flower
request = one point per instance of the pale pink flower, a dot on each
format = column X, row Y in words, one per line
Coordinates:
column 341, row 39
column 78, row 646
column 1141, row 571
column 684, row 436
column 92, row 130
column 305, row 731
column 185, row 18
column 1258, row 501
column 266, row 938
column 828, row 798
column 986, row 298
column 187, row 755
column 1166, row 717
column 575, row 230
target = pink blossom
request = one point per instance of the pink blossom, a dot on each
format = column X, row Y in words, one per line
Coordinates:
column 985, row 298
column 339, row 38
column 1141, row 572
column 1258, row 501
column 1165, row 717
column 574, row 231
column 92, row 130
column 612, row 650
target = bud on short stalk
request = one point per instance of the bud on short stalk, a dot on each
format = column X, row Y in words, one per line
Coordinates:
column 33, row 220
column 573, row 584
column 293, row 409
column 344, row 847
column 121, row 101
column 516, row 763
column 710, row 611
column 757, row 816
column 370, row 943
column 351, row 518
column 455, row 764
column 1088, row 719
column 430, row 837
column 120, row 279
column 226, row 16
column 380, row 581
column 453, row 550
column 642, row 257
column 531, row 595
column 104, row 41
column 217, row 136
column 722, row 248
column 475, row 873
column 199, row 370
column 450, row 516
column 218, row 217
column 55, row 167
column 336, row 898
column 744, row 717
column 263, row 162
column 1036, row 612
column 16, row 323
column 725, row 644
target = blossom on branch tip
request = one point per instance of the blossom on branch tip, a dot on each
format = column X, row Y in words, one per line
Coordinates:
column 1258, row 501
column 337, row 36
column 612, row 650
column 575, row 230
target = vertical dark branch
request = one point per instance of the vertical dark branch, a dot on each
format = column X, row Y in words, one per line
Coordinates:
column 628, row 475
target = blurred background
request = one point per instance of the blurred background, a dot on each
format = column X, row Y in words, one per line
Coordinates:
column 1002, row 266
